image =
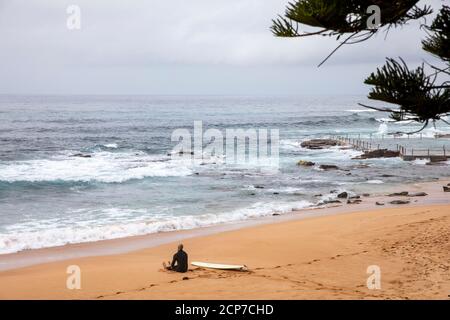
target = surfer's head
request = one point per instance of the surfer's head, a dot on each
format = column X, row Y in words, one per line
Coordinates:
column 180, row 247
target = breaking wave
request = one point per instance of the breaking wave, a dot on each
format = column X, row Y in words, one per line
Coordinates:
column 103, row 166
column 54, row 232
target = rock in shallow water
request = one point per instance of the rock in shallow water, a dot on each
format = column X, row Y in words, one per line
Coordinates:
column 407, row 194
column 418, row 194
column 328, row 167
column 331, row 201
column 317, row 144
column 342, row 195
column 399, row 194
column 381, row 153
column 303, row 163
column 400, row 202
column 80, row 155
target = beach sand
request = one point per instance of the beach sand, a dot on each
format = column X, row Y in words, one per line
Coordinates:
column 324, row 257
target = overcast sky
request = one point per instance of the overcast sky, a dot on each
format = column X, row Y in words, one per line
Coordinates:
column 180, row 47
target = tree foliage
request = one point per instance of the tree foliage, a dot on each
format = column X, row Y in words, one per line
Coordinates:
column 438, row 41
column 335, row 18
column 415, row 92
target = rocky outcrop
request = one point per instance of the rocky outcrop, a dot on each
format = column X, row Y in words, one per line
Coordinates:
column 342, row 195
column 317, row 144
column 445, row 135
column 407, row 194
column 418, row 194
column 357, row 201
column 330, row 201
column 437, row 160
column 360, row 166
column 400, row 202
column 303, row 163
column 380, row 153
column 399, row 194
column 328, row 167
column 80, row 155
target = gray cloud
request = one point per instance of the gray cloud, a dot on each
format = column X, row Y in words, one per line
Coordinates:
column 180, row 47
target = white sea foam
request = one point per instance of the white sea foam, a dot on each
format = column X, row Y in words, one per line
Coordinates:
column 111, row 145
column 360, row 110
column 286, row 190
column 375, row 182
column 338, row 153
column 291, row 144
column 101, row 166
column 51, row 233
column 389, row 120
column 382, row 129
column 330, row 196
column 420, row 162
column 429, row 132
column 432, row 132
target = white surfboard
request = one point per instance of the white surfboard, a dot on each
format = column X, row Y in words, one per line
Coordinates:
column 220, row 266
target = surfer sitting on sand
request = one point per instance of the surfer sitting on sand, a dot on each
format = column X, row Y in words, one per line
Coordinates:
column 179, row 261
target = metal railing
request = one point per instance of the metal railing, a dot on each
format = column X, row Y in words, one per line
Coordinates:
column 363, row 145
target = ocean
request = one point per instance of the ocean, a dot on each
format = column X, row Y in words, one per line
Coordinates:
column 77, row 169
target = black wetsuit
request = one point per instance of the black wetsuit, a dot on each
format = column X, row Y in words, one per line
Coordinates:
column 180, row 262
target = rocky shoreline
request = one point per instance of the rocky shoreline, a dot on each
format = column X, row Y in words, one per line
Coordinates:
column 346, row 197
